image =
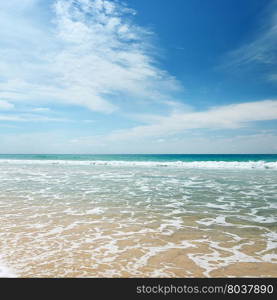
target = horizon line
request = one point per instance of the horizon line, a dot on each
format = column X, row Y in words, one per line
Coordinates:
column 138, row 153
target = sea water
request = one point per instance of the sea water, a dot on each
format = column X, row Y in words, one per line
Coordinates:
column 138, row 215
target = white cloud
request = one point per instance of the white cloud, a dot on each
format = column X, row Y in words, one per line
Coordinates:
column 170, row 134
column 93, row 52
column 93, row 55
column 224, row 117
column 17, row 4
column 88, row 121
column 41, row 109
column 106, row 55
column 30, row 118
column 5, row 105
column 254, row 143
column 262, row 49
column 33, row 143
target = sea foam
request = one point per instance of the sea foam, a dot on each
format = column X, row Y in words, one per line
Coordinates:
column 5, row 272
column 247, row 165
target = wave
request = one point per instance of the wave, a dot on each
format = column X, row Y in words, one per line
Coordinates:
column 247, row 165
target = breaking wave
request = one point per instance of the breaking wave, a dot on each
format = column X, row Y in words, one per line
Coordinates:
column 247, row 165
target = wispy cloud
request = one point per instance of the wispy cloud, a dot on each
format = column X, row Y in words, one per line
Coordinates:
column 176, row 133
column 250, row 143
column 41, row 109
column 5, row 105
column 30, row 118
column 262, row 49
column 61, row 59
column 225, row 117
column 94, row 52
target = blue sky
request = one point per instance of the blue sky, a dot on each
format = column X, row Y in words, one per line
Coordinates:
column 139, row 76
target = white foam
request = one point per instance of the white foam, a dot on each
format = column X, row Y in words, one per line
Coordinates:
column 214, row 260
column 222, row 206
column 56, row 230
column 247, row 165
column 271, row 242
column 259, row 219
column 5, row 272
column 95, row 211
column 219, row 220
column 153, row 251
column 176, row 223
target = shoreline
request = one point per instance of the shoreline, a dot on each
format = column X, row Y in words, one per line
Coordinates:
column 83, row 221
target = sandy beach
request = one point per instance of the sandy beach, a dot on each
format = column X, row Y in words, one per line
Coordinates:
column 83, row 220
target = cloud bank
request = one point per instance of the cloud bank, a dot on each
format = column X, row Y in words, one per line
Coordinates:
column 225, row 117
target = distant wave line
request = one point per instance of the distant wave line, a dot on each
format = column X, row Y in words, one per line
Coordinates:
column 258, row 165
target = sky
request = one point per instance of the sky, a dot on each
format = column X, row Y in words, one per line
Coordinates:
column 139, row 76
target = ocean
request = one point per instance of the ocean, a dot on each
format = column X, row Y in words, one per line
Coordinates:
column 138, row 215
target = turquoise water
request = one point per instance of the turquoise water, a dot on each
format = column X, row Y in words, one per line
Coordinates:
column 146, row 157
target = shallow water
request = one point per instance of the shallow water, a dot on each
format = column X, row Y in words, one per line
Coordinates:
column 88, row 219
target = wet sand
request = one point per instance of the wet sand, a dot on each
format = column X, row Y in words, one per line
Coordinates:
column 93, row 248
column 104, row 221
